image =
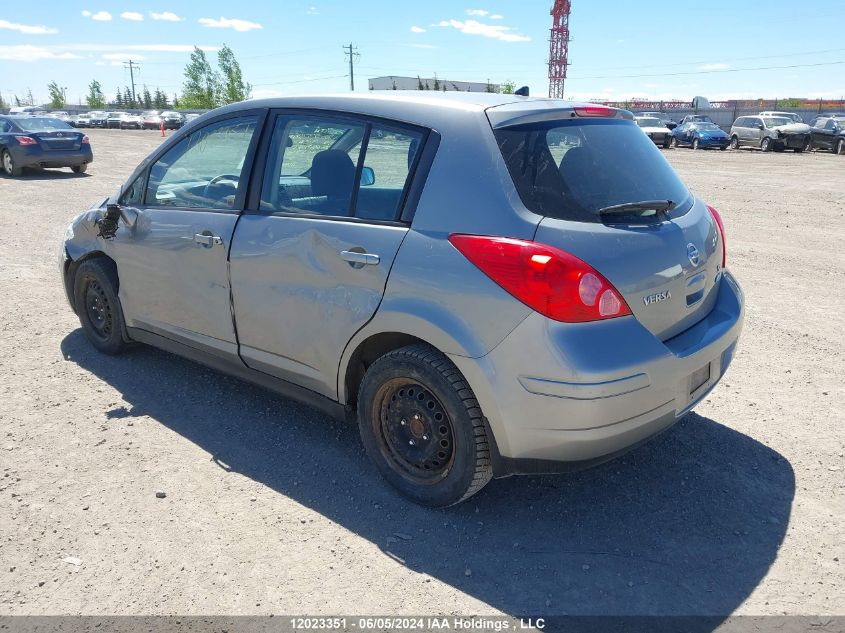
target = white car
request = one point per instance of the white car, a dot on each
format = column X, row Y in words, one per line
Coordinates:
column 784, row 115
column 655, row 130
column 134, row 121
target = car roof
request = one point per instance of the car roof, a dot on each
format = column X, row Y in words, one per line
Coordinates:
column 428, row 108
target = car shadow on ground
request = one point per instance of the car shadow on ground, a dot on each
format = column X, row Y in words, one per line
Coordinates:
column 686, row 524
column 48, row 174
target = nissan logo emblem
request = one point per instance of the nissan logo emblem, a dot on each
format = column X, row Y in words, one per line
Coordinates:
column 692, row 253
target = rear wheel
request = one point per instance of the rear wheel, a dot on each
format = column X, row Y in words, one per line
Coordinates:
column 80, row 169
column 673, row 142
column 839, row 148
column 95, row 289
column 766, row 144
column 695, row 144
column 422, row 426
column 667, row 141
column 9, row 166
column 734, row 142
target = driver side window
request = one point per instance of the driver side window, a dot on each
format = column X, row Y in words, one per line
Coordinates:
column 204, row 169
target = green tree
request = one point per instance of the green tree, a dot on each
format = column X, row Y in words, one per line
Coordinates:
column 128, row 101
column 160, row 100
column 419, row 83
column 118, row 99
column 234, row 87
column 176, row 104
column 436, row 82
column 3, row 103
column 507, row 87
column 146, row 98
column 95, row 99
column 202, row 85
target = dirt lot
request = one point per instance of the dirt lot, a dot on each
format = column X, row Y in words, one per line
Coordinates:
column 271, row 507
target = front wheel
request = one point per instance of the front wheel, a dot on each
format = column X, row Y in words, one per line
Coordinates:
column 766, row 144
column 79, row 169
column 667, row 141
column 839, row 148
column 95, row 290
column 9, row 166
column 673, row 142
column 734, row 142
column 695, row 144
column 422, row 426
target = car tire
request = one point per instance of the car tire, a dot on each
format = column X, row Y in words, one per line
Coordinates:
column 95, row 288
column 80, row 169
column 667, row 141
column 766, row 144
column 9, row 167
column 839, row 148
column 673, row 142
column 423, row 428
column 723, row 147
column 734, row 142
column 695, row 144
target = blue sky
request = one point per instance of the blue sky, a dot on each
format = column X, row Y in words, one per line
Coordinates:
column 619, row 50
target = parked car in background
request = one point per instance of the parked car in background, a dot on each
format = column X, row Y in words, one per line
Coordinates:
column 792, row 116
column 667, row 120
column 172, row 120
column 131, row 122
column 829, row 133
column 61, row 115
column 655, row 130
column 587, row 305
column 72, row 120
column 27, row 111
column 770, row 133
column 114, row 119
column 83, row 119
column 700, row 135
column 191, row 116
column 97, row 118
column 151, row 120
column 696, row 118
column 27, row 141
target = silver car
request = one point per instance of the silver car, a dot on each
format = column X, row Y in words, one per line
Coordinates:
column 770, row 133
column 490, row 284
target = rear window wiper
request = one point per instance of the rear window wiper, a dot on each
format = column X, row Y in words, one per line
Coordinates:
column 659, row 206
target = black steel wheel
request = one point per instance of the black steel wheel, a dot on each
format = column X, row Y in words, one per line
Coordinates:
column 423, row 428
column 97, row 305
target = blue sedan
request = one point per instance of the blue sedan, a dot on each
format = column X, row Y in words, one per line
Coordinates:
column 41, row 142
column 700, row 135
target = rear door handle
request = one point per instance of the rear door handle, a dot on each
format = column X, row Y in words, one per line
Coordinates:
column 361, row 259
column 207, row 240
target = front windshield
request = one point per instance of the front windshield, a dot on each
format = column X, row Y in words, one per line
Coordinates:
column 775, row 121
column 571, row 169
column 707, row 127
column 647, row 122
column 38, row 124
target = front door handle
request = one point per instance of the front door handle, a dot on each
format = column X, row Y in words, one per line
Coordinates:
column 359, row 260
column 206, row 239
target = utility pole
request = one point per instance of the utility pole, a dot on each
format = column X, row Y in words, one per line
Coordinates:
column 132, row 66
column 352, row 53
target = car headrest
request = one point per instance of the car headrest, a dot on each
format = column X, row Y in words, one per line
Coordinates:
column 332, row 174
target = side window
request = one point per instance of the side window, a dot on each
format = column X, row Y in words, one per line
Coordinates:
column 203, row 170
column 830, row 125
column 311, row 165
column 134, row 194
column 4, row 126
column 390, row 157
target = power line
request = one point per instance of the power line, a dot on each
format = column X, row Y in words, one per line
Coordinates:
column 711, row 72
column 352, row 53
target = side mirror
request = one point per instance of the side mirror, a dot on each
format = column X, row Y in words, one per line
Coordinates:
column 760, row 126
column 368, row 177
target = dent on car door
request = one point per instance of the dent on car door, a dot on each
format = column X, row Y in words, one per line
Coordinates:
column 310, row 264
column 173, row 259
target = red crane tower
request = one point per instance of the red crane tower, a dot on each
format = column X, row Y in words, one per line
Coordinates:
column 559, row 47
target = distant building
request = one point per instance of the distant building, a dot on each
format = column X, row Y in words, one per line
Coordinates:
column 430, row 83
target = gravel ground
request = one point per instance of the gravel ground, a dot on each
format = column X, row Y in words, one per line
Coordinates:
column 272, row 507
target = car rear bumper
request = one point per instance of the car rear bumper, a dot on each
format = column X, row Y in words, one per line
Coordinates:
column 36, row 156
column 559, row 396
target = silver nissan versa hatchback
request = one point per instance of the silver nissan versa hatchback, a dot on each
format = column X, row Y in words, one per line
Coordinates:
column 491, row 284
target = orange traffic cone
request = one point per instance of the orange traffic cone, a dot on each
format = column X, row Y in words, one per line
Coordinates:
column 162, row 129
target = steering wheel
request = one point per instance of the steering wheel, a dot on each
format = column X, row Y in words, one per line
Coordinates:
column 216, row 179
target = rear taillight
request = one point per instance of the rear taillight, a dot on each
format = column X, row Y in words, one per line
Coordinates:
column 552, row 282
column 85, row 139
column 595, row 111
column 27, row 140
column 721, row 226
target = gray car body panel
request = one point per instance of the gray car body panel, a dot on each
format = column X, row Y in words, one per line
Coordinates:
column 297, row 311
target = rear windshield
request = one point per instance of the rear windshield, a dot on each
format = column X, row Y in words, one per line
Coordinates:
column 43, row 125
column 572, row 169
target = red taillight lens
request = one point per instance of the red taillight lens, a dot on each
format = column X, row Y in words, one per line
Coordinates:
column 85, row 139
column 595, row 111
column 721, row 226
column 552, row 282
column 27, row 140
